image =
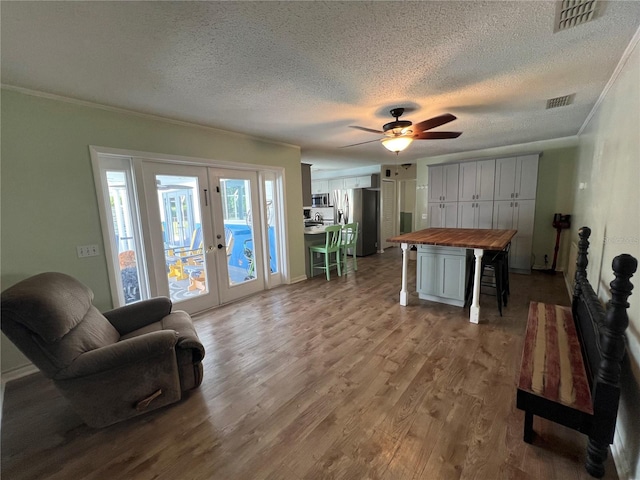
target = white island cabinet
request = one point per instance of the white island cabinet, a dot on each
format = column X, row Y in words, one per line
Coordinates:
column 441, row 274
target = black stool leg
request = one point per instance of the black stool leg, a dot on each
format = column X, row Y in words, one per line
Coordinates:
column 497, row 268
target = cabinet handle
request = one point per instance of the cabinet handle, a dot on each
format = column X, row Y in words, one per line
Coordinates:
column 516, row 204
column 511, row 205
column 516, row 195
column 512, row 195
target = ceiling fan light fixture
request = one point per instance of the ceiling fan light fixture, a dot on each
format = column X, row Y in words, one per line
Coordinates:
column 396, row 144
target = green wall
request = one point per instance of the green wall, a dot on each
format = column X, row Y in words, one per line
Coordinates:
column 49, row 203
column 556, row 183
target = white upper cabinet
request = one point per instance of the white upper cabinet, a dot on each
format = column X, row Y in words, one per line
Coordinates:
column 516, row 177
column 443, row 183
column 320, row 186
column 336, row 184
column 526, row 177
column 476, row 180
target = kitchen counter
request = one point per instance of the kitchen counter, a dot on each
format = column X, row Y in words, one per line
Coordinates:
column 477, row 239
column 314, row 230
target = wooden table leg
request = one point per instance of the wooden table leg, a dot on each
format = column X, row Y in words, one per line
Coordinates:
column 474, row 311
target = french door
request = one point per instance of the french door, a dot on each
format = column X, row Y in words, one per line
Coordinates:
column 237, row 228
column 204, row 234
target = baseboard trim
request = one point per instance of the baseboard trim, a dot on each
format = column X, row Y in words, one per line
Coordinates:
column 301, row 278
column 620, row 458
column 19, row 372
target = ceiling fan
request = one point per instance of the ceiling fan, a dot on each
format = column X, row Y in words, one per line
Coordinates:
column 399, row 134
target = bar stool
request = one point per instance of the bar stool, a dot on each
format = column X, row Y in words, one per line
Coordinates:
column 332, row 244
column 495, row 274
column 348, row 241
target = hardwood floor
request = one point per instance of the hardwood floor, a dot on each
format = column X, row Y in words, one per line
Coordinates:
column 322, row 380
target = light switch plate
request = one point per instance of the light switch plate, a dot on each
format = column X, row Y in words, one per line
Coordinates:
column 87, row 251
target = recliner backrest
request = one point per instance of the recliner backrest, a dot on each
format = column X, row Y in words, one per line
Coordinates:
column 51, row 319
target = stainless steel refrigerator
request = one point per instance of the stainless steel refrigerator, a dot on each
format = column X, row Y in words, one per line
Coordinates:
column 358, row 205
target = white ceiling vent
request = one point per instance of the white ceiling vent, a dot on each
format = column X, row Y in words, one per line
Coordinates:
column 560, row 101
column 571, row 13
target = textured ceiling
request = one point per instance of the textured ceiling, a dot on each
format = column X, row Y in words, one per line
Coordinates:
column 303, row 72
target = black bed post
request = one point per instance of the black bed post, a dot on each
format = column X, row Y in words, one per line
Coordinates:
column 582, row 261
column 606, row 390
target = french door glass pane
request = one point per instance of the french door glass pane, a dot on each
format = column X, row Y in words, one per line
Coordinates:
column 125, row 241
column 238, row 227
column 181, row 219
column 271, row 219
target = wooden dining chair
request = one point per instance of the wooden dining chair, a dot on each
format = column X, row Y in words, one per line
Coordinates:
column 332, row 245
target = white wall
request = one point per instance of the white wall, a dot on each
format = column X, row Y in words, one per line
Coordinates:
column 609, row 203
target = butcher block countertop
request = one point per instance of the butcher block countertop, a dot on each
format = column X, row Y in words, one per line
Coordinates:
column 486, row 239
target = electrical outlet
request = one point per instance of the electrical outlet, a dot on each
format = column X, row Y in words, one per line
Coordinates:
column 87, row 251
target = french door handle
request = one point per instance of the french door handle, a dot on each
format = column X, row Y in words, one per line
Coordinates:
column 220, row 246
column 206, row 197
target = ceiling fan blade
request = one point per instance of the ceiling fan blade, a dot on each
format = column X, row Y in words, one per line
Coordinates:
column 365, row 129
column 433, row 122
column 361, row 143
column 436, row 135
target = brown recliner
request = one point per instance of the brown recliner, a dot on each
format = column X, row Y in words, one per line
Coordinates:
column 109, row 366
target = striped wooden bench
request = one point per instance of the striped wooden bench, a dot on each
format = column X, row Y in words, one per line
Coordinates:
column 571, row 359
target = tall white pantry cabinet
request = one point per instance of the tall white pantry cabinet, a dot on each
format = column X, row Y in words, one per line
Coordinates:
column 443, row 196
column 495, row 193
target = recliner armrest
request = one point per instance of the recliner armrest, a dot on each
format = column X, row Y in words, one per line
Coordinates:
column 132, row 350
column 140, row 314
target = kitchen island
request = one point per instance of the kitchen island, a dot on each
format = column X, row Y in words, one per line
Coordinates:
column 476, row 239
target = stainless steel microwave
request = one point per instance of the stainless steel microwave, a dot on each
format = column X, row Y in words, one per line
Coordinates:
column 319, row 200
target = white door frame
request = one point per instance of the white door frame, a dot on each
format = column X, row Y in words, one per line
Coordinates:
column 135, row 159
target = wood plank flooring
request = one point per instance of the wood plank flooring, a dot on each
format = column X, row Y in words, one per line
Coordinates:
column 322, row 380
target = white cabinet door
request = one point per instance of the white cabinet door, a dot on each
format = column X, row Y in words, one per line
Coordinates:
column 503, row 215
column 364, row 181
column 520, row 254
column 320, row 186
column 427, row 270
column 441, row 274
column 517, row 215
column 436, row 177
column 523, row 217
column 516, row 178
column 467, row 215
column 485, row 179
column 526, row 177
column 452, row 276
column 450, row 183
column 336, row 184
column 435, row 215
column 476, row 180
column 475, row 214
column 505, row 178
column 351, row 182
column 467, row 182
column 450, row 215
column 443, row 183
column 484, row 215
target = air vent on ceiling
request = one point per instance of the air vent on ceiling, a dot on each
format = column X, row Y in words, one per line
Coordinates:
column 571, row 13
column 560, row 101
